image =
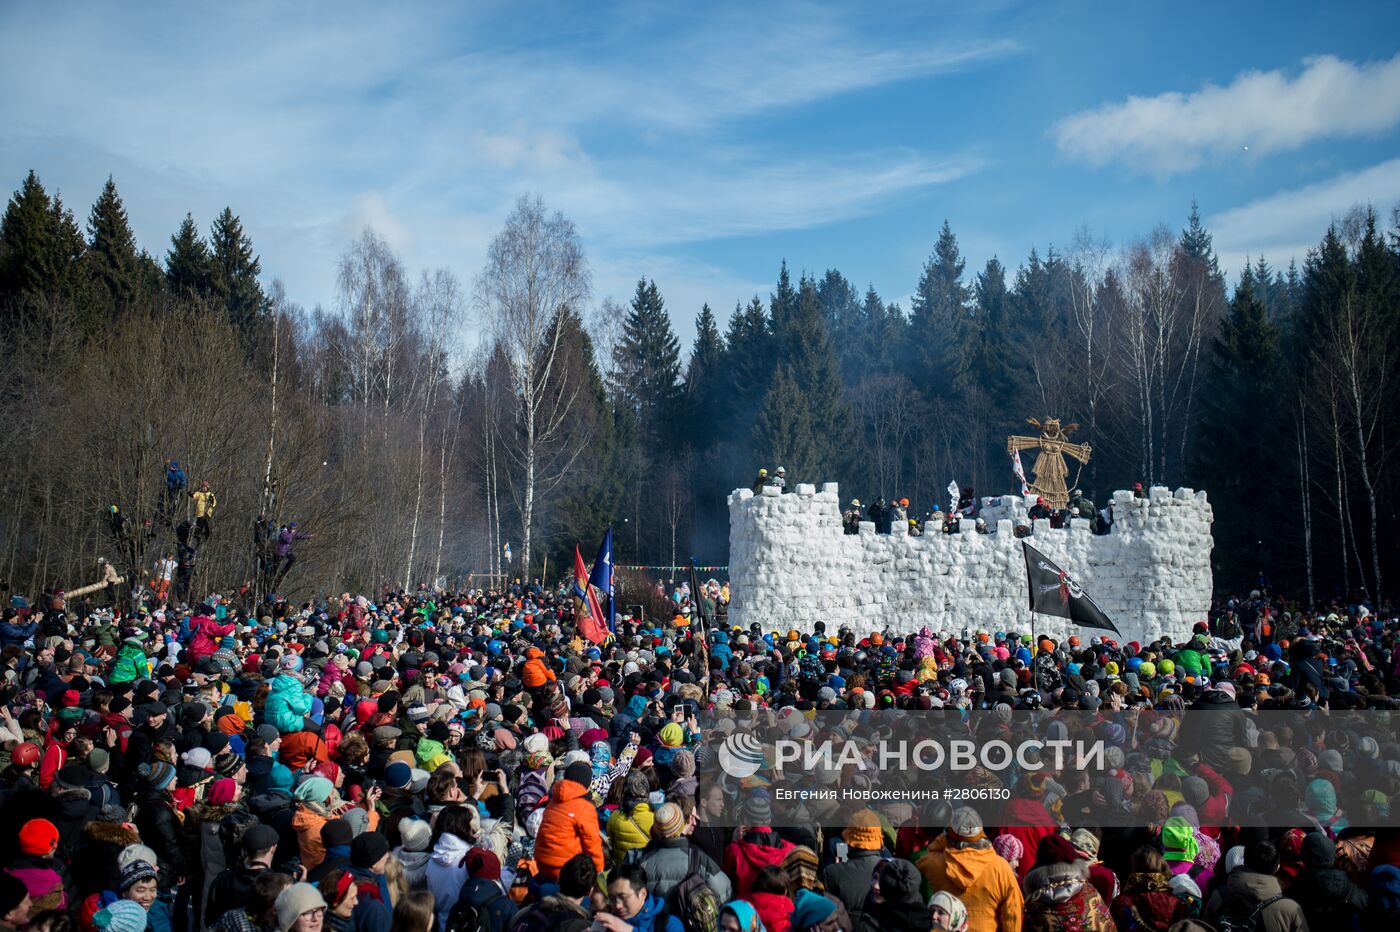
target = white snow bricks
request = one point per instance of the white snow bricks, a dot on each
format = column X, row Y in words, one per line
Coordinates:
column 791, row 565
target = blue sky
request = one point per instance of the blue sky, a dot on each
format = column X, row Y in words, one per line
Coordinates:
column 700, row 145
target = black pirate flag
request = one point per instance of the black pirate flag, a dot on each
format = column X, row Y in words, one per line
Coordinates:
column 1054, row 592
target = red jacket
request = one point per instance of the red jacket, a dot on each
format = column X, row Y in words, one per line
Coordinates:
column 744, row 858
column 207, row 634
column 774, row 910
column 569, row 828
column 1027, row 820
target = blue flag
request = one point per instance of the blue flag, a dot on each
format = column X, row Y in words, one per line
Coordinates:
column 601, row 578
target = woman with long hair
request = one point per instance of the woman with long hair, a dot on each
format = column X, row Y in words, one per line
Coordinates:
column 414, row 913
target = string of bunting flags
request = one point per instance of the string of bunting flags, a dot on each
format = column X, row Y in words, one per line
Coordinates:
column 700, row 569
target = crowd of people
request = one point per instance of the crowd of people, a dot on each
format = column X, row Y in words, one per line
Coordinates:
column 466, row 761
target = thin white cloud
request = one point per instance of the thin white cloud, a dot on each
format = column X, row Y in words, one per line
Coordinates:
column 428, row 127
column 1266, row 111
column 1287, row 224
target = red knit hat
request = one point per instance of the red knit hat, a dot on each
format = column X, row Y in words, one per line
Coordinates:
column 38, row 837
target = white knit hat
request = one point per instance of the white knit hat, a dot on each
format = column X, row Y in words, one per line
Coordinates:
column 295, row 900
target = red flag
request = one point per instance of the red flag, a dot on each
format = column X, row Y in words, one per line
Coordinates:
column 588, row 614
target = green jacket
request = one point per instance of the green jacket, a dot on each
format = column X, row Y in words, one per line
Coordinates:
column 105, row 635
column 131, row 665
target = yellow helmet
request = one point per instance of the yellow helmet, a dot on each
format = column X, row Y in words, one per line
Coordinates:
column 763, row 472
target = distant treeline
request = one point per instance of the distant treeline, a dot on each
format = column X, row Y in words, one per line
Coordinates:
column 408, row 456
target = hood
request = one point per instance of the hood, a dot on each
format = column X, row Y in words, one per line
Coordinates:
column 1056, row 883
column 286, row 683
column 428, row 749
column 567, row 790
column 966, row 865
column 1253, row 886
column 1318, row 851
column 413, row 860
column 112, row 833
column 757, row 857
column 450, row 850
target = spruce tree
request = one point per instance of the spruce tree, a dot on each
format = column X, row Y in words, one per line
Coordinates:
column 1197, row 243
column 112, row 260
column 235, row 276
column 782, row 302
column 189, row 269
column 1236, row 449
column 26, row 242
column 810, row 362
column 939, row 318
column 748, row 359
column 845, row 323
column 648, row 366
column 992, row 364
column 66, row 276
column 785, row 433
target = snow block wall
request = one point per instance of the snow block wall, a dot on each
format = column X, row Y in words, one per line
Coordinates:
column 791, row 565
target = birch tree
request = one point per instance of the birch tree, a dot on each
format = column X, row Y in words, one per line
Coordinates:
column 535, row 273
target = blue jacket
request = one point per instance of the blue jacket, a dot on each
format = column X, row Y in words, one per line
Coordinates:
column 654, row 918
column 371, row 913
column 174, row 477
column 287, row 705
column 12, row 634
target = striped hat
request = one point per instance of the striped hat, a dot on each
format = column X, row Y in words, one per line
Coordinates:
column 668, row 821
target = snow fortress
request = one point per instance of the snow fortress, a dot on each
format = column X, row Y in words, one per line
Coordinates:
column 791, row 564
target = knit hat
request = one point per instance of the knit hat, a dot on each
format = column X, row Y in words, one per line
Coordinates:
column 863, row 831
column 159, row 775
column 758, row 809
column 268, row 733
column 12, row 892
column 337, row 833
column 120, row 916
column 398, row 775
column 1009, row 847
column 135, row 872
column 483, row 863
column 668, row 821
column 579, row 772
column 222, row 792
column 683, row 764
column 415, row 834
column 672, row 735
column 38, row 837
column 1196, row 791
column 810, row 909
column 99, row 760
column 136, row 852
column 367, row 850
column 295, row 900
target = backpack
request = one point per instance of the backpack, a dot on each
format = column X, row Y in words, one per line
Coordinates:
column 468, row 918
column 692, row 901
column 547, row 916
column 1230, row 920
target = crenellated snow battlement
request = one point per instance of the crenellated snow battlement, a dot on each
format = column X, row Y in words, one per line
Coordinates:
column 791, row 564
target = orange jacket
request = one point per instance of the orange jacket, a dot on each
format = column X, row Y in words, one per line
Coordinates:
column 308, row 823
column 981, row 879
column 569, row 828
column 536, row 672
